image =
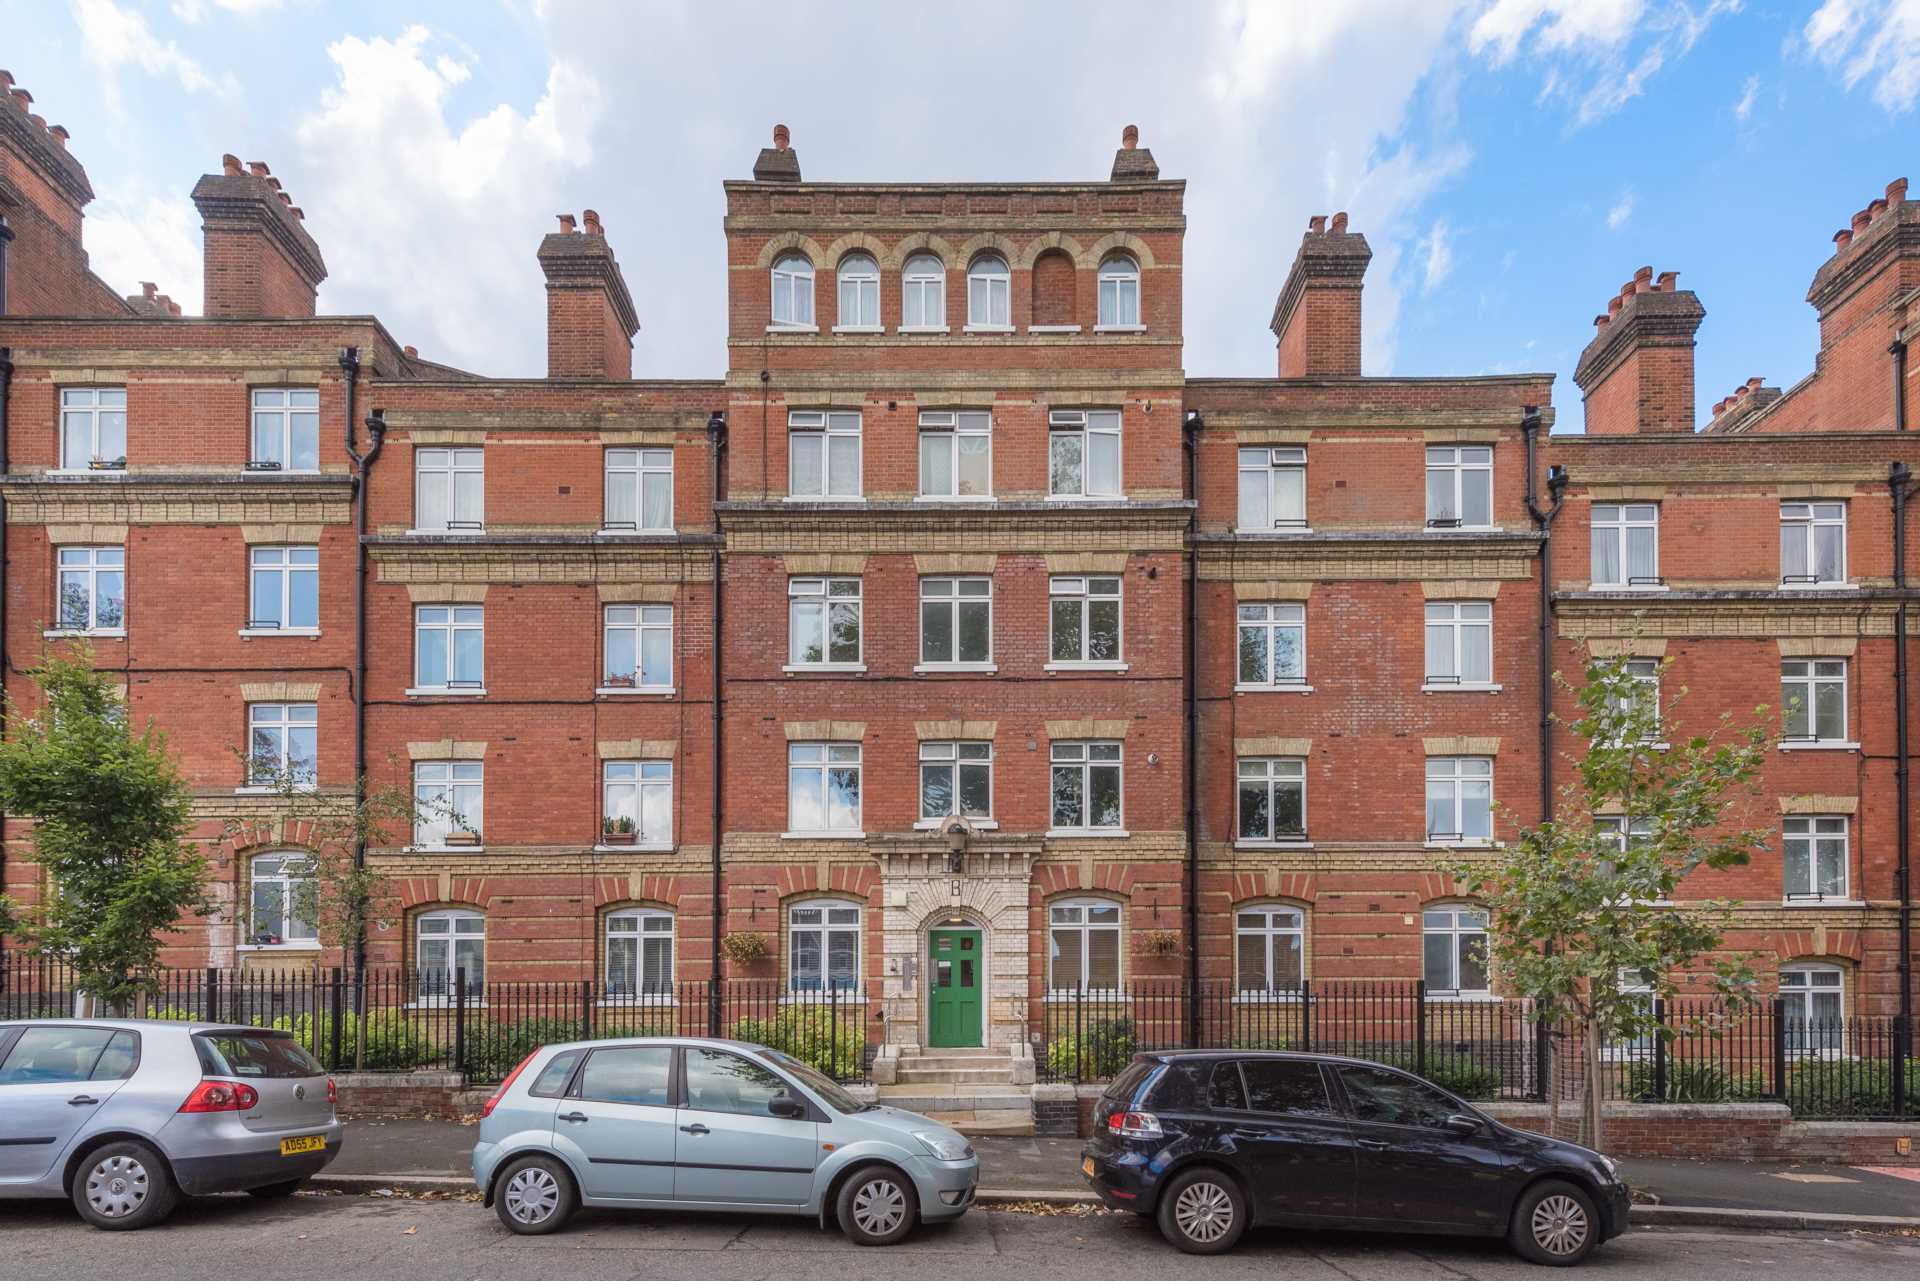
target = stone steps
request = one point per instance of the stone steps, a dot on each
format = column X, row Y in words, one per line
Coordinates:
column 951, row 1077
column 935, row 1098
column 985, row 1124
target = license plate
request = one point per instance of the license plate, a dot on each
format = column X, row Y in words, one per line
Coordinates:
column 1086, row 1166
column 305, row 1143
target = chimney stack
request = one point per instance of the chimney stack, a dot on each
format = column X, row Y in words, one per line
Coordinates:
column 780, row 162
column 1858, row 292
column 259, row 259
column 1317, row 319
column 1133, row 162
column 1637, row 373
column 590, row 316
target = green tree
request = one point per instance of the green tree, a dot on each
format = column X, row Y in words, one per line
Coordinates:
column 111, row 820
column 1585, row 921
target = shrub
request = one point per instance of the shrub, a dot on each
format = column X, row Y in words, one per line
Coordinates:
column 170, row 1014
column 1846, row 1087
column 1261, row 1043
column 1105, row 1046
column 1454, row 1073
column 395, row 1043
column 823, row 1039
column 1686, row 1083
column 495, row 1049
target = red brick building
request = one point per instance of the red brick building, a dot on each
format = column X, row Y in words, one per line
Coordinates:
column 896, row 637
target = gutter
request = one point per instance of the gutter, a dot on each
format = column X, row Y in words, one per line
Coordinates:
column 1190, row 439
column 1543, row 519
column 363, row 470
column 717, row 441
column 1900, row 484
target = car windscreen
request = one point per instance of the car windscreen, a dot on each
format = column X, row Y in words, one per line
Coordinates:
column 817, row 1081
column 269, row 1055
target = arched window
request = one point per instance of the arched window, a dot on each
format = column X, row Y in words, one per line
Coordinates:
column 1269, row 942
column 1083, row 946
column 639, row 953
column 859, row 293
column 283, row 899
column 923, row 293
column 447, row 942
column 1119, row 291
column 1816, row 1001
column 1455, row 939
column 792, row 290
column 823, row 945
column 989, row 292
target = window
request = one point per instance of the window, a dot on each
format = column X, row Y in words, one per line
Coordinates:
column 824, row 618
column 1815, row 996
column 1273, row 489
column 636, row 1075
column 636, row 800
column 1269, row 947
column 1227, row 1091
column 445, row 943
column 793, row 291
column 1459, row 487
column 1459, row 800
column 448, row 642
column 956, row 778
column 1814, row 852
column 722, row 1082
column 1287, row 1088
column 859, row 293
column 1119, row 291
column 1813, row 543
column 449, row 488
column 1459, row 642
column 823, row 454
column 1626, row 545
column 956, row 620
column 446, row 801
column 823, row 788
column 93, row 589
column 1625, row 832
column 285, row 589
column 1637, row 987
column 956, row 454
column 1644, row 675
column 639, row 953
column 923, row 293
column 1083, row 946
column 1273, row 799
column 1456, row 950
column 286, row 430
column 640, row 490
column 93, row 428
column 1273, row 645
column 64, row 1055
column 1083, row 453
column 282, row 744
column 1086, row 787
column 989, row 289
column 1813, row 699
column 1379, row 1097
column 1085, row 620
column 284, row 901
column 639, row 645
column 823, row 946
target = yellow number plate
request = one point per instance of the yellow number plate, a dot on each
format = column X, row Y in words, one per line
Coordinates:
column 305, row 1143
column 1086, row 1167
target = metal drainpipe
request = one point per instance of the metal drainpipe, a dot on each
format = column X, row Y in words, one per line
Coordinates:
column 6, row 384
column 363, row 465
column 1190, row 438
column 1543, row 520
column 1899, row 351
column 1899, row 483
column 6, row 239
column 717, row 439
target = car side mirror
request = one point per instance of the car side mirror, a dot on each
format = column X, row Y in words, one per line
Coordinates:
column 785, row 1105
column 1462, row 1124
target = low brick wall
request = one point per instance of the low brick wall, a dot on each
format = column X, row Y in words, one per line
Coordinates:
column 1729, row 1132
column 441, row 1095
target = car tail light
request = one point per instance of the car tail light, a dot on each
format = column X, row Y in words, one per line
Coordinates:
column 486, row 1109
column 333, row 1092
column 1135, row 1125
column 221, row 1096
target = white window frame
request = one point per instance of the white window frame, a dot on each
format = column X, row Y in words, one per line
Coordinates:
column 829, row 595
column 828, row 924
column 462, row 925
column 1263, row 469
column 1813, row 831
column 1083, row 757
column 1117, row 301
column 288, row 870
column 1458, row 624
column 1271, row 618
column 1455, row 774
column 642, row 621
column 635, row 470
column 1271, row 775
column 648, row 929
column 441, row 467
column 441, row 625
column 1462, row 922
column 1459, row 462
column 1088, row 427
column 1277, row 924
column 635, row 782
column 952, row 600
column 1805, row 684
column 1645, row 673
column 826, row 426
column 1614, row 524
column 923, row 294
column 275, row 409
column 279, row 566
column 989, row 294
column 792, row 272
column 464, row 783
column 805, row 760
column 280, row 723
column 951, row 757
column 87, row 567
column 1800, row 984
column 92, row 408
column 1070, row 917
column 1083, row 591
column 860, row 273
column 1802, row 522
column 946, row 431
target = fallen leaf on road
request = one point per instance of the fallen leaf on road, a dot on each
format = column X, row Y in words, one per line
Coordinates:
column 409, row 1232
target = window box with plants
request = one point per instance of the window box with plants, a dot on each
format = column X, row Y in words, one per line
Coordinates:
column 463, row 836
column 619, row 830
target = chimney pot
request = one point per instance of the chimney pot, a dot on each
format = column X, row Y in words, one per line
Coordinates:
column 173, row 308
column 1339, row 226
column 1614, row 304
column 1644, row 273
column 1841, row 239
column 258, row 168
column 297, row 212
column 782, row 137
column 1896, row 190
column 6, row 80
column 257, row 261
column 21, row 98
column 1755, row 383
column 1600, row 321
column 230, row 166
column 1130, row 137
column 412, row 352
column 1317, row 224
column 285, row 199
column 592, row 220
column 148, row 289
column 1719, row 406
column 566, row 224
column 1860, row 221
column 1666, row 282
column 1741, row 390
column 39, row 120
column 60, row 135
column 1878, row 207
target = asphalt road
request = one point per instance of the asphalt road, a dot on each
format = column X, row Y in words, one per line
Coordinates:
column 327, row 1238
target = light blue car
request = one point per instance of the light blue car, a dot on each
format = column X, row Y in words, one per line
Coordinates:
column 673, row 1123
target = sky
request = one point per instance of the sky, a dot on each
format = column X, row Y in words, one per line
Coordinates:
column 1511, row 162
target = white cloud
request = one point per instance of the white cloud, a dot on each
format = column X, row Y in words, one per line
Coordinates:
column 1438, row 245
column 1877, row 40
column 191, row 11
column 133, row 235
column 1748, row 92
column 1564, row 24
column 114, row 38
column 1622, row 210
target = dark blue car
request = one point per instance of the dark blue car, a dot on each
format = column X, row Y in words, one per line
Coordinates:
column 1212, row 1142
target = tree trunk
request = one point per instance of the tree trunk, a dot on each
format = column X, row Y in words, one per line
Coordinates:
column 1550, row 1087
column 1591, row 1054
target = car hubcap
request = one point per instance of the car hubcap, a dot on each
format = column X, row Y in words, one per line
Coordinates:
column 1559, row 1225
column 532, row 1195
column 117, row 1187
column 879, row 1207
column 1204, row 1212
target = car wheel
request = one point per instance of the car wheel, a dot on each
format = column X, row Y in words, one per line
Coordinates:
column 1202, row 1212
column 122, row 1187
column 534, row 1196
column 273, row 1191
column 877, row 1206
column 1555, row 1223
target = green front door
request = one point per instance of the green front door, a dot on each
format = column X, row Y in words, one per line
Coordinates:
column 954, row 978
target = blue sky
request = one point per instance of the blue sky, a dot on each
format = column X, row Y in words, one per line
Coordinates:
column 1511, row 161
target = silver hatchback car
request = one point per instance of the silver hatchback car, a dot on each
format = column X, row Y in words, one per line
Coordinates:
column 670, row 1123
column 126, row 1115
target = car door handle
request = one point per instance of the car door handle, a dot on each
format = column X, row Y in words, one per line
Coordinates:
column 82, row 1101
column 1373, row 1145
column 695, row 1128
column 578, row 1118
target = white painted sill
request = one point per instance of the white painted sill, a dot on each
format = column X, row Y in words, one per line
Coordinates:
column 1464, row 998
column 986, row 329
column 1289, row 529
column 1821, row 902
column 631, row 533
column 256, row 789
column 446, row 849
column 1820, row 745
column 979, row 669
column 793, row 329
column 310, row 633
column 441, row 691
column 831, row 669
column 1273, row 689
column 859, row 329
column 1086, row 498
column 450, row 533
column 1466, row 845
column 821, row 1000
column 1053, row 329
column 647, row 847
column 1119, row 329
column 77, row 633
column 823, row 836
column 1093, row 996
column 923, row 329
column 935, row 824
column 1628, row 587
column 277, row 947
column 634, row 691
column 1462, row 687
column 979, row 500
column 253, row 473
column 664, row 1002
column 84, row 471
column 1836, row 586
column 1273, row 845
column 1086, row 667
column 824, row 498
column 1266, row 998
column 1087, row 833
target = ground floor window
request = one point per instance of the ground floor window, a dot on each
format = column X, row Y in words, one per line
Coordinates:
column 1083, row 946
column 639, row 953
column 1815, row 1000
column 1456, row 951
column 823, row 946
column 445, row 944
column 1269, row 949
column 284, row 902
